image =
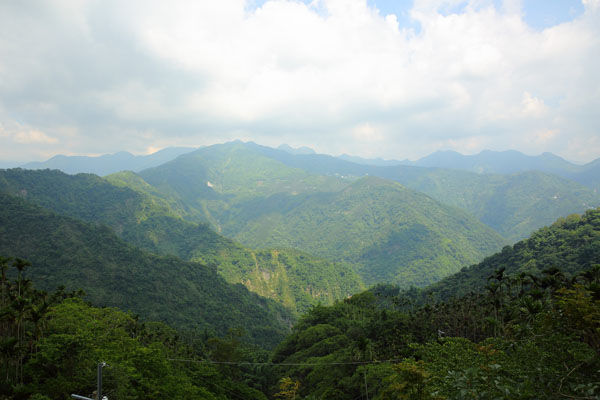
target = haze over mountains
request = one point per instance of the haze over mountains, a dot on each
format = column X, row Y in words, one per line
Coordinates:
column 513, row 200
column 108, row 163
column 485, row 162
column 412, row 225
column 235, row 244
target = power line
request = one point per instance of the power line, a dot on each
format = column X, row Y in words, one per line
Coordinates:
column 283, row 364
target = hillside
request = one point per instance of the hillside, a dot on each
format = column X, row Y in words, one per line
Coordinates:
column 497, row 162
column 134, row 210
column 91, row 257
column 570, row 245
column 514, row 205
column 499, row 335
column 209, row 180
column 391, row 233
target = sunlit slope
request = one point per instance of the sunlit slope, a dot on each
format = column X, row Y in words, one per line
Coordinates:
column 391, row 233
column 387, row 233
column 209, row 180
column 514, row 205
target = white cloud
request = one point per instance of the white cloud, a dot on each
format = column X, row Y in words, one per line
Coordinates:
column 146, row 74
column 33, row 136
column 532, row 106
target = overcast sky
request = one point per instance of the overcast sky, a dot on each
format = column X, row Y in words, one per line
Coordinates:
column 394, row 79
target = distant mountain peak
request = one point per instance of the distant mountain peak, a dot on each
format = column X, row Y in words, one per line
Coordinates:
column 106, row 164
column 300, row 150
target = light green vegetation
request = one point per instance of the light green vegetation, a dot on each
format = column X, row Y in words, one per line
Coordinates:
column 514, row 205
column 386, row 231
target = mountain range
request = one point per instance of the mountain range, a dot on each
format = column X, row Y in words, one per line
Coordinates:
column 293, row 226
column 78, row 255
column 295, row 279
column 107, row 163
column 257, row 255
column 499, row 162
column 261, row 202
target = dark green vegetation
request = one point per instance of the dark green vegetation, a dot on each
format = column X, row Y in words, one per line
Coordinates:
column 51, row 344
column 387, row 231
column 570, row 245
column 91, row 257
column 138, row 214
column 515, row 336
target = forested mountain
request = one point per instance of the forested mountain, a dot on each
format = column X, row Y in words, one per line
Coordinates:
column 391, row 233
column 52, row 344
column 521, row 324
column 131, row 207
column 511, row 161
column 108, row 163
column 567, row 247
column 497, row 162
column 514, row 336
column 588, row 175
column 210, row 180
column 187, row 295
column 477, row 183
column 514, row 205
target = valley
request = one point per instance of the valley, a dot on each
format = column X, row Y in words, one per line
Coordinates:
column 254, row 253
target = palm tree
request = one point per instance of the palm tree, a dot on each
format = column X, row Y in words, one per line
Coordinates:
column 20, row 265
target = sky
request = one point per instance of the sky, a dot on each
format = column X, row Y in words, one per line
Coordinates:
column 374, row 78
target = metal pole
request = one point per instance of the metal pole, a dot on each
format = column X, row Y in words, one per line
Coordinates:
column 366, row 387
column 99, row 392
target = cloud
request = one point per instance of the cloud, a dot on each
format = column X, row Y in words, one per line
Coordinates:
column 532, row 106
column 146, row 74
column 33, row 136
column 18, row 133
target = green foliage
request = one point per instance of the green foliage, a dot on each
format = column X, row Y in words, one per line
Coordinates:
column 146, row 218
column 52, row 345
column 391, row 233
column 287, row 389
column 185, row 294
column 409, row 381
column 569, row 246
column 514, row 205
column 515, row 336
column 388, row 232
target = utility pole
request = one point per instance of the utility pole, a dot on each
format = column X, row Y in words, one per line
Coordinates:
column 366, row 387
column 99, row 391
